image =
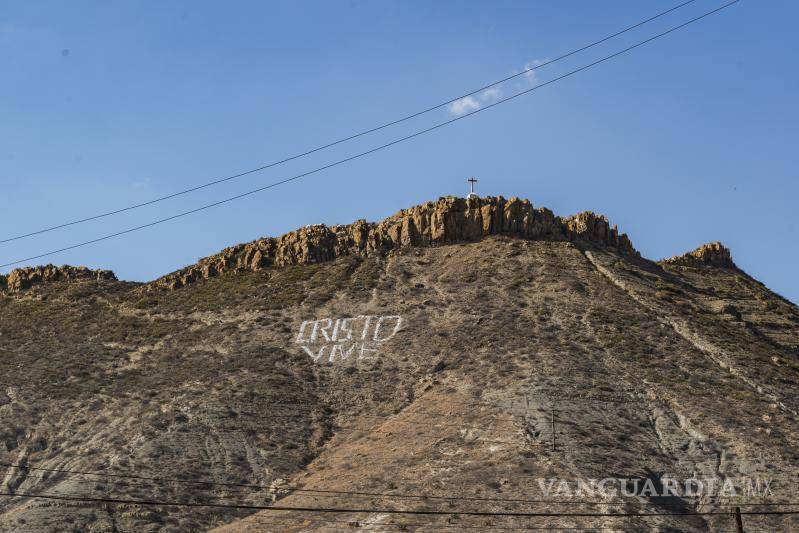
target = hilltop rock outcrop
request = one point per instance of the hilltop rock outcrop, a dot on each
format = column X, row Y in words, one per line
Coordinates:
column 25, row 278
column 448, row 220
column 430, row 370
column 710, row 254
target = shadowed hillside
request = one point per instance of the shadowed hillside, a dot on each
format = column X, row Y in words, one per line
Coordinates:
column 439, row 352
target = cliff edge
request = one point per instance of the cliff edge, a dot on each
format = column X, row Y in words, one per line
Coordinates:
column 445, row 221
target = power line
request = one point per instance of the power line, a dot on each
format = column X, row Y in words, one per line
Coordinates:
column 350, row 137
column 434, row 526
column 421, row 512
column 373, row 150
column 311, row 491
column 483, row 527
column 330, row 493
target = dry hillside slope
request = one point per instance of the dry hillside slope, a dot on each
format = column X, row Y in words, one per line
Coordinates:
column 360, row 367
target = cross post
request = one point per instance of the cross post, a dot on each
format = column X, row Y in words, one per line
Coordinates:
column 471, row 181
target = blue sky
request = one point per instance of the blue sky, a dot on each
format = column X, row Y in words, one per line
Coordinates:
column 686, row 140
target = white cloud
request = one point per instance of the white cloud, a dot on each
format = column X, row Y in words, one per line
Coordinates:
column 468, row 104
column 529, row 73
column 464, row 105
column 491, row 94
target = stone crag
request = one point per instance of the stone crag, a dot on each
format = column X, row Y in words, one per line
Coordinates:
column 711, row 254
column 446, row 221
column 25, row 278
column 430, row 368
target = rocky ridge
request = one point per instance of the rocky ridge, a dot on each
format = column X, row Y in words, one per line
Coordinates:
column 711, row 254
column 24, row 278
column 656, row 371
column 446, row 221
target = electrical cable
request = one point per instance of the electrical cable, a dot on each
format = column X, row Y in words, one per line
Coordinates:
column 349, row 137
column 368, row 152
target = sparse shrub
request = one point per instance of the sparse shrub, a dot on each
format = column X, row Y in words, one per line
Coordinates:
column 144, row 303
column 729, row 309
column 664, row 286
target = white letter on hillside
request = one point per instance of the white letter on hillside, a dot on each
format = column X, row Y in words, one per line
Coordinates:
column 364, row 349
column 394, row 331
column 323, row 330
column 343, row 354
column 300, row 340
column 342, row 327
column 367, row 321
column 316, row 357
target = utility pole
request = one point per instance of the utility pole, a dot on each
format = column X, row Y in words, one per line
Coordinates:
column 739, row 524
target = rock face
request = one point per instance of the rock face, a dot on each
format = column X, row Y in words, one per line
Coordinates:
column 373, row 381
column 24, row 278
column 446, row 221
column 711, row 254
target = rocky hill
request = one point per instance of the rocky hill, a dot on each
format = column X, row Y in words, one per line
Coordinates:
column 24, row 278
column 449, row 220
column 456, row 360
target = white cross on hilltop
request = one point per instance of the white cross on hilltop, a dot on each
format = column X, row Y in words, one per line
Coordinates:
column 471, row 181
